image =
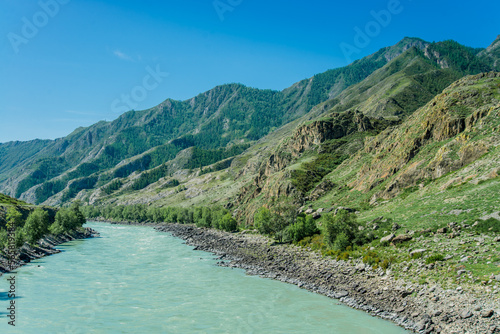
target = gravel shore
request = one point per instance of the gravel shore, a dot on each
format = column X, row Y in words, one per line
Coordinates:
column 418, row 308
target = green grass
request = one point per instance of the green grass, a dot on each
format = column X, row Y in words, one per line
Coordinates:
column 7, row 200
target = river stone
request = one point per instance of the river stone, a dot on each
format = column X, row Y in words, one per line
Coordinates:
column 487, row 313
column 420, row 326
column 361, row 267
column 465, row 314
column 340, row 294
column 436, row 313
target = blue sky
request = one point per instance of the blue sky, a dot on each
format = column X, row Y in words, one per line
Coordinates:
column 71, row 63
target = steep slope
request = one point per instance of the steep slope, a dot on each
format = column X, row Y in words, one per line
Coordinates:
column 385, row 98
column 491, row 55
column 221, row 117
column 295, row 160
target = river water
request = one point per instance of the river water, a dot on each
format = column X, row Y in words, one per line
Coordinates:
column 136, row 280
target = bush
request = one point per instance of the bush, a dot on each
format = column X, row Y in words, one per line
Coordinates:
column 489, row 225
column 36, row 226
column 67, row 220
column 3, row 239
column 343, row 256
column 342, row 241
column 434, row 258
column 262, row 221
column 304, row 227
column 228, row 223
column 415, row 256
column 371, row 258
column 342, row 231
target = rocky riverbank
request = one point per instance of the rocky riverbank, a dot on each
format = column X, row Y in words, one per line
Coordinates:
column 45, row 247
column 419, row 308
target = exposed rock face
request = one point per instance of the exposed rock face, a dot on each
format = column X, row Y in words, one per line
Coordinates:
column 317, row 132
column 272, row 178
column 454, row 114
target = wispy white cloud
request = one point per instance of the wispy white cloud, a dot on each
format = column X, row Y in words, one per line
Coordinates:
column 122, row 55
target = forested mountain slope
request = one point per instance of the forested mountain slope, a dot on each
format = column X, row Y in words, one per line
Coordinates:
column 170, row 144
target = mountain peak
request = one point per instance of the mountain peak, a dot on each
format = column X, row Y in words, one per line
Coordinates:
column 403, row 45
column 494, row 45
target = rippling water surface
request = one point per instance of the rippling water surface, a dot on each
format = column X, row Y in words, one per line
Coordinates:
column 136, row 280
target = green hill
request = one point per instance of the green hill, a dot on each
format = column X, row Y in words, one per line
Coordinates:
column 7, row 200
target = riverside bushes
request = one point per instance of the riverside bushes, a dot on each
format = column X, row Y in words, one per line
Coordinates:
column 304, row 227
column 67, row 220
column 39, row 224
column 206, row 217
column 342, row 230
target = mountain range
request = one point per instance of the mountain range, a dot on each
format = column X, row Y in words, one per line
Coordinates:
column 416, row 117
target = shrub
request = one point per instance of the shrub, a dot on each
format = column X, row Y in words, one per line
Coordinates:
column 228, row 223
column 415, row 256
column 371, row 258
column 262, row 221
column 67, row 220
column 304, row 227
column 341, row 231
column 342, row 241
column 434, row 258
column 36, row 226
column 343, row 256
column 3, row 238
column 489, row 225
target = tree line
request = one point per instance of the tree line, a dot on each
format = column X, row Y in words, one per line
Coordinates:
column 280, row 221
column 39, row 224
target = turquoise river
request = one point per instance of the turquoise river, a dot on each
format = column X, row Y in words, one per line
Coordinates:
column 136, row 280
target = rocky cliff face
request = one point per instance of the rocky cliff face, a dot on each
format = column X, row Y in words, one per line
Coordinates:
column 491, row 54
column 451, row 124
column 273, row 179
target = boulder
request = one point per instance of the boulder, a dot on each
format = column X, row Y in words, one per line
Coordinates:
column 401, row 238
column 442, row 230
column 343, row 208
column 487, row 313
column 316, row 215
column 465, row 314
column 340, row 294
column 387, row 238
